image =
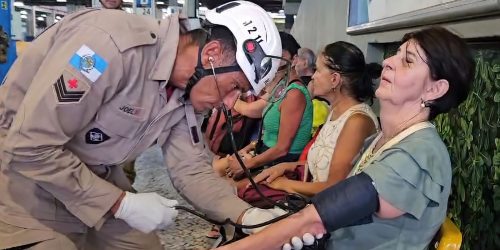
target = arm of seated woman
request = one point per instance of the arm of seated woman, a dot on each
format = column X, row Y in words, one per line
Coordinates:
column 268, row 175
column 250, row 109
column 291, row 109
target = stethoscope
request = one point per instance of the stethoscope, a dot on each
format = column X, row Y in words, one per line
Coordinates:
column 292, row 202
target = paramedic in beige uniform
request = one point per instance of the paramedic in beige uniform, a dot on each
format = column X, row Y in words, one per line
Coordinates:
column 99, row 88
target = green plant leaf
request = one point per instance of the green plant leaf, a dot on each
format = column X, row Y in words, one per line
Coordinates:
column 495, row 68
column 497, row 97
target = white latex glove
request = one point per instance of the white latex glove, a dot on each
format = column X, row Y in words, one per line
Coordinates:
column 297, row 243
column 256, row 215
column 146, row 211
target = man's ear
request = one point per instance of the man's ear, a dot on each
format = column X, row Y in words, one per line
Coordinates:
column 212, row 51
column 436, row 89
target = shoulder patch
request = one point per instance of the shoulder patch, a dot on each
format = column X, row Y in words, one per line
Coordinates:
column 90, row 64
column 69, row 89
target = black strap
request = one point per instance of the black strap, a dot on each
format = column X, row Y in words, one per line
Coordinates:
column 214, row 126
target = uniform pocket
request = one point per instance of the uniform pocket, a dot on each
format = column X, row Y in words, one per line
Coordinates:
column 119, row 124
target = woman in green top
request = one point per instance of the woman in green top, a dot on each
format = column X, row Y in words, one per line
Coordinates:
column 397, row 198
column 287, row 121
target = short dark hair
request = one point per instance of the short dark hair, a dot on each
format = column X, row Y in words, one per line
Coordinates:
column 289, row 43
column 348, row 60
column 219, row 33
column 449, row 58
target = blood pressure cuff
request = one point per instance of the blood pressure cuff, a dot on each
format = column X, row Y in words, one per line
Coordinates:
column 348, row 203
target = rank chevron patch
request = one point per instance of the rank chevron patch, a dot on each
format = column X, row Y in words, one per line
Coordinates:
column 70, row 89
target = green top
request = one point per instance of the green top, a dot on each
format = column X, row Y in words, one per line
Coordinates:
column 272, row 122
column 414, row 175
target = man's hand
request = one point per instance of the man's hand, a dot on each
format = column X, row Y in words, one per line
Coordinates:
column 146, row 211
column 255, row 216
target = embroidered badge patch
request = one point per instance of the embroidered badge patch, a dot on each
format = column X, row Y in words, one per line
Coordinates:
column 88, row 63
column 96, row 136
column 69, row 89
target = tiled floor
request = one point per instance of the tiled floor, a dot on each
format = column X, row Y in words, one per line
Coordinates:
column 189, row 231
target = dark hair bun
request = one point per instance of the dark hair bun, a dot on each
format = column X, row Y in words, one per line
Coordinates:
column 373, row 70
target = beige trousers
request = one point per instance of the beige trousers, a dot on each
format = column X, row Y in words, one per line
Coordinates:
column 114, row 234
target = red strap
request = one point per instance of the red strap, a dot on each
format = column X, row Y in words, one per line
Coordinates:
column 170, row 90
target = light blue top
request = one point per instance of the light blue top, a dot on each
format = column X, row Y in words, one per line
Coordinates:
column 414, row 175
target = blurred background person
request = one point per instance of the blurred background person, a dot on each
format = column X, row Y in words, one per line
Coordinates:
column 304, row 64
column 111, row 4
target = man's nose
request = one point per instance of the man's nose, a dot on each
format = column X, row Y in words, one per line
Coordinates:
column 230, row 99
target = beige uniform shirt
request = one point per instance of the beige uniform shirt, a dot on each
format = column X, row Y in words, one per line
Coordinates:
column 88, row 94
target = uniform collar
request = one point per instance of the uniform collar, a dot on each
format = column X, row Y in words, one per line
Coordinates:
column 168, row 41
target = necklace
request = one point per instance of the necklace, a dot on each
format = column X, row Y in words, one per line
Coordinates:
column 401, row 127
column 372, row 152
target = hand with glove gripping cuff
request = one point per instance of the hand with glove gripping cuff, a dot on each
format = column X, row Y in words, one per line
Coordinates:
column 146, row 211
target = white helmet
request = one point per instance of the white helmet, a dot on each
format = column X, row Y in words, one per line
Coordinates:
column 256, row 36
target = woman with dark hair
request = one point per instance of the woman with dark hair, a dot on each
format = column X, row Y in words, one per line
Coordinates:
column 399, row 198
column 345, row 81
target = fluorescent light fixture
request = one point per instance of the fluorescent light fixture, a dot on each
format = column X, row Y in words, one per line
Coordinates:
column 276, row 15
column 23, row 16
column 18, row 4
column 23, row 12
column 40, row 18
column 61, row 1
column 44, row 15
column 160, row 2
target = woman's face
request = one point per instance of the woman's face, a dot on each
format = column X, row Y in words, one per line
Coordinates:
column 322, row 79
column 405, row 76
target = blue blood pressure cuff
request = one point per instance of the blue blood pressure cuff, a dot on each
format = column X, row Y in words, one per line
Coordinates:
column 348, row 203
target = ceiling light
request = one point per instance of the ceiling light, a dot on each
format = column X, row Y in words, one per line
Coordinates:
column 23, row 12
column 40, row 18
column 61, row 1
column 18, row 4
column 44, row 15
column 160, row 2
column 180, row 1
column 23, row 16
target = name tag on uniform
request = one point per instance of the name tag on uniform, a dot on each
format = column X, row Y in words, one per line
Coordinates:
column 88, row 63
